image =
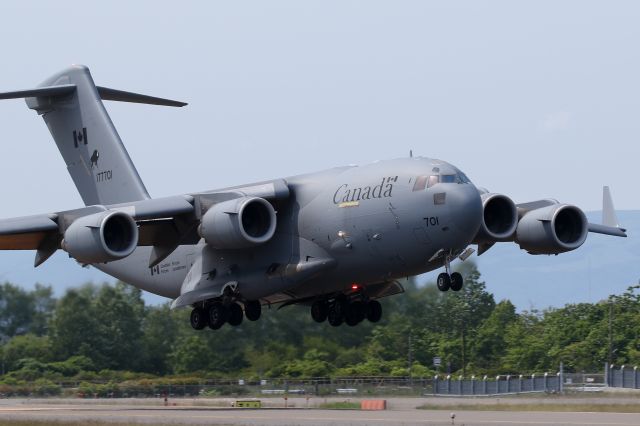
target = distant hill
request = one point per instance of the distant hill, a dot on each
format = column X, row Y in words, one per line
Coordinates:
column 602, row 266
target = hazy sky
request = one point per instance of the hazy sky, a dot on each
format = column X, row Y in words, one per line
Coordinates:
column 533, row 99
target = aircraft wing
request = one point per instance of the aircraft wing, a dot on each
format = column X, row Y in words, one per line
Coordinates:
column 156, row 219
column 164, row 223
column 609, row 225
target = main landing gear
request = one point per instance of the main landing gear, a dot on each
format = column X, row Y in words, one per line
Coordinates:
column 216, row 314
column 448, row 280
column 341, row 310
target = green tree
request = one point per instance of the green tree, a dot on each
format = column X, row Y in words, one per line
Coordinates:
column 159, row 333
column 119, row 314
column 526, row 350
column 23, row 311
column 75, row 327
column 489, row 343
column 25, row 346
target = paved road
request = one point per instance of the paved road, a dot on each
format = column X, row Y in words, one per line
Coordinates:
column 302, row 417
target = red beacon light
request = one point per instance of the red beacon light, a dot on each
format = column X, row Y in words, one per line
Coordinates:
column 355, row 287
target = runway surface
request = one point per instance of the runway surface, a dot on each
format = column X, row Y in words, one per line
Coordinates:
column 151, row 414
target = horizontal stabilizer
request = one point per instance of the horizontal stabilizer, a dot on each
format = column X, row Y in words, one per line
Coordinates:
column 105, row 93
column 49, row 91
column 122, row 96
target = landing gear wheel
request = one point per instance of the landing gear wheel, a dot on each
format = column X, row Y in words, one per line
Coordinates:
column 336, row 314
column 235, row 314
column 443, row 282
column 374, row 311
column 252, row 310
column 354, row 313
column 319, row 310
column 456, row 281
column 217, row 314
column 198, row 319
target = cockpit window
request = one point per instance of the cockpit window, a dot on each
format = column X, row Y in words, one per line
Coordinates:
column 421, row 183
column 429, row 181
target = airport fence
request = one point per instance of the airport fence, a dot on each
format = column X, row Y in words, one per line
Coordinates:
column 355, row 386
column 622, row 377
column 323, row 386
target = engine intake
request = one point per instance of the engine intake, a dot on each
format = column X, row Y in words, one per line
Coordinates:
column 552, row 230
column 239, row 223
column 499, row 219
column 101, row 237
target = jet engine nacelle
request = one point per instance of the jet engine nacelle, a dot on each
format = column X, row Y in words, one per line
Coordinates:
column 101, row 237
column 499, row 218
column 239, row 223
column 552, row 230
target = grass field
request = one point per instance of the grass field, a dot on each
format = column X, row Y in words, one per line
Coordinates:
column 341, row 405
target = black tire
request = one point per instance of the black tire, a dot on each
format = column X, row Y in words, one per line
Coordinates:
column 374, row 311
column 319, row 311
column 335, row 316
column 456, row 281
column 217, row 315
column 443, row 282
column 198, row 318
column 351, row 315
column 340, row 305
column 235, row 314
column 359, row 310
column 252, row 310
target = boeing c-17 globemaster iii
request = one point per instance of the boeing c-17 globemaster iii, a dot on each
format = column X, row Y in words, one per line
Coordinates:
column 336, row 240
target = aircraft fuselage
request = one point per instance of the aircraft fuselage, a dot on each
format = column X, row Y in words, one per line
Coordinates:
column 368, row 224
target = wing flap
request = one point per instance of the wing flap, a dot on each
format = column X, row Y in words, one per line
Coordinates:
column 23, row 241
column 26, row 233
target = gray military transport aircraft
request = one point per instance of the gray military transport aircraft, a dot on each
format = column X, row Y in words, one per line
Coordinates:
column 336, row 240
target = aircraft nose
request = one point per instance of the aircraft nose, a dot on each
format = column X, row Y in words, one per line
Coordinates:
column 465, row 208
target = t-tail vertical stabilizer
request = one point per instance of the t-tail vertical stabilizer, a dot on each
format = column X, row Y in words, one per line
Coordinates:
column 99, row 164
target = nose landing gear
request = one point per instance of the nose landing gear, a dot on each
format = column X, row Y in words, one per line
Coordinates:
column 447, row 280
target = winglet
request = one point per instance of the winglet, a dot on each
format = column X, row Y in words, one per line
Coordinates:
column 609, row 217
column 610, row 225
